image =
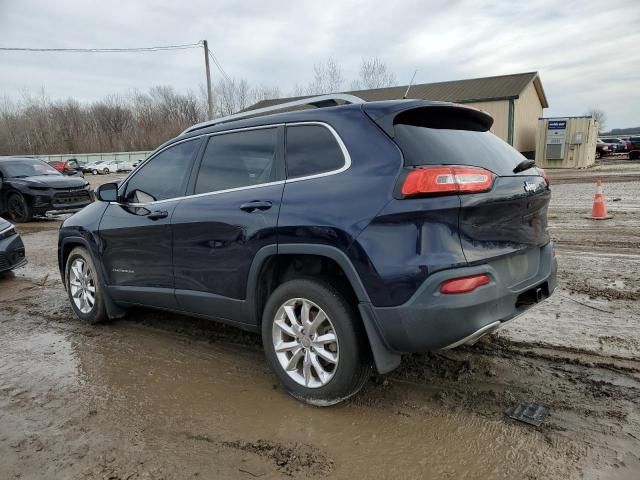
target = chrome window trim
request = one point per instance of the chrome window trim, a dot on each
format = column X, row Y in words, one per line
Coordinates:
column 343, row 148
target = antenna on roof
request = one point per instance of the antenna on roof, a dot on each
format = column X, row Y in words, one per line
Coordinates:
column 409, row 86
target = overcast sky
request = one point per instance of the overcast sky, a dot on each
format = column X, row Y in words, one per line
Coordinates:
column 587, row 52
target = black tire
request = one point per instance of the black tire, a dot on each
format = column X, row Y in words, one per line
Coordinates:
column 353, row 368
column 635, row 155
column 598, row 155
column 94, row 172
column 106, row 171
column 19, row 209
column 98, row 312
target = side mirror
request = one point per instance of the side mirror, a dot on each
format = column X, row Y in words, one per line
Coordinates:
column 108, row 192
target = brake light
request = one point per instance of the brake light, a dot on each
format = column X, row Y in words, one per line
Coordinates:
column 464, row 284
column 442, row 180
column 543, row 174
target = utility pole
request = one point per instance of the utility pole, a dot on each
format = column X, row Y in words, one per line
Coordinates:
column 206, row 64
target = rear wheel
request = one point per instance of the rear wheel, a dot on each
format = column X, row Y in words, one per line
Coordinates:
column 19, row 209
column 83, row 288
column 314, row 342
column 598, row 154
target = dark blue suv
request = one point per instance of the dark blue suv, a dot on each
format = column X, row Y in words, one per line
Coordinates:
column 347, row 235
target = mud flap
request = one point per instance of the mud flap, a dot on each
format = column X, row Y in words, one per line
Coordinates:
column 113, row 310
column 385, row 359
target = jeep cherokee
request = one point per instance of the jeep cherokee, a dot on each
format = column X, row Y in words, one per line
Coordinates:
column 347, row 235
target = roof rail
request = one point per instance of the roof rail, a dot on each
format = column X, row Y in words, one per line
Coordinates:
column 320, row 101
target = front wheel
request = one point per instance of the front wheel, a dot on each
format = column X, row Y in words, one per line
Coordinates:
column 315, row 342
column 84, row 291
column 19, row 209
column 106, row 171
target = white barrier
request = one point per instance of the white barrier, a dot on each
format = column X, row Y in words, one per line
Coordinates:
column 95, row 157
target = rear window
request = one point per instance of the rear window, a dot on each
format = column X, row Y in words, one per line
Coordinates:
column 311, row 150
column 431, row 145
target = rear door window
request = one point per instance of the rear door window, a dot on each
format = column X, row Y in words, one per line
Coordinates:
column 427, row 138
column 312, row 150
column 239, row 159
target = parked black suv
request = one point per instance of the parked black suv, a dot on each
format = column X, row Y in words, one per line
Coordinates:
column 30, row 187
column 347, row 235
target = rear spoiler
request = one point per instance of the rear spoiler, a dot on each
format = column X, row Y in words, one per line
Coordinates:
column 427, row 114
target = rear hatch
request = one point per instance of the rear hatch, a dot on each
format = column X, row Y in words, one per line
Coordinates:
column 509, row 216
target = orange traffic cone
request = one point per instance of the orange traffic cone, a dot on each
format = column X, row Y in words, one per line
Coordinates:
column 599, row 210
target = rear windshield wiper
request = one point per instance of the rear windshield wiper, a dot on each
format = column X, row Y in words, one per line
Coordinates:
column 524, row 165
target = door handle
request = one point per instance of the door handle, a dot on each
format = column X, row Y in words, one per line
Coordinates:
column 255, row 205
column 158, row 214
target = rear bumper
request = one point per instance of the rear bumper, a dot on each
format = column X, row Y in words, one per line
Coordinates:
column 433, row 321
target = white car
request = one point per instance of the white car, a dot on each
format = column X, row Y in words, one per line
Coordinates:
column 111, row 166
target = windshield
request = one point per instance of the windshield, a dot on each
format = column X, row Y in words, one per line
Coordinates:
column 26, row 168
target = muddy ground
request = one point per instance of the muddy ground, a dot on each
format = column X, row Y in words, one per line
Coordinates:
column 158, row 396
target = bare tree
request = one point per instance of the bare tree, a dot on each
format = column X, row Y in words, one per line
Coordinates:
column 231, row 96
column 599, row 116
column 35, row 124
column 265, row 92
column 327, row 78
column 136, row 121
column 374, row 73
column 298, row 91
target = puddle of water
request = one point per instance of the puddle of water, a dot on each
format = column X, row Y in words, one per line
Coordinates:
column 187, row 389
column 34, row 362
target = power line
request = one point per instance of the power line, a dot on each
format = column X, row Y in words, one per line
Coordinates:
column 103, row 50
column 121, row 50
column 215, row 60
column 201, row 43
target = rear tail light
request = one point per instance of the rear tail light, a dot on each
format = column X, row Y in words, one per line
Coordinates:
column 442, row 180
column 544, row 175
column 464, row 284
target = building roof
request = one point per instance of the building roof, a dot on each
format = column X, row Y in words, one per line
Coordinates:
column 502, row 87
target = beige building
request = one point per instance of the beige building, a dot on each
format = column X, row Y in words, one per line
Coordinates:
column 515, row 102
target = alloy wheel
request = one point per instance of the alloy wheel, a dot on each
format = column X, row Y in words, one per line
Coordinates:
column 305, row 342
column 82, row 286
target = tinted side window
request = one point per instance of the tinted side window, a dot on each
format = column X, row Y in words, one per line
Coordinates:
column 239, row 159
column 165, row 176
column 312, row 149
